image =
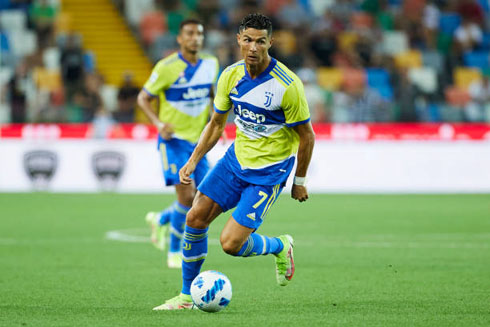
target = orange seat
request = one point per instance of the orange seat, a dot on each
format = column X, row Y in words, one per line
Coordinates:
column 152, row 24
column 456, row 96
column 330, row 78
column 464, row 77
column 353, row 77
column 361, row 20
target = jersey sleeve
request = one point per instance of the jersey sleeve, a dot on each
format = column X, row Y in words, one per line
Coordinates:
column 294, row 105
column 157, row 81
column 222, row 101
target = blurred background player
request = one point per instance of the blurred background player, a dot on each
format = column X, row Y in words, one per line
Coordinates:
column 273, row 124
column 183, row 83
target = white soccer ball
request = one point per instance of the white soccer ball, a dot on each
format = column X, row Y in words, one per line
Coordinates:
column 211, row 291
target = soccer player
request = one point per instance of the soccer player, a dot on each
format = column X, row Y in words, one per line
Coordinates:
column 273, row 124
column 182, row 82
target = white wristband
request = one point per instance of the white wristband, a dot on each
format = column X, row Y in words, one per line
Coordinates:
column 301, row 181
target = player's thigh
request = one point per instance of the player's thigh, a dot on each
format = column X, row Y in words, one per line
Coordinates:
column 173, row 158
column 255, row 203
column 204, row 210
column 222, row 186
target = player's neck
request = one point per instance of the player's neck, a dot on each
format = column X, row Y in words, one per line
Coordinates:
column 193, row 58
column 255, row 70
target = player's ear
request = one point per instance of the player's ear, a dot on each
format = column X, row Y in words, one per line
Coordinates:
column 179, row 39
column 238, row 38
column 271, row 41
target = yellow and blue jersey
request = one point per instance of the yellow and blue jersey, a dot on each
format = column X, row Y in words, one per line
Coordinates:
column 184, row 91
column 266, row 109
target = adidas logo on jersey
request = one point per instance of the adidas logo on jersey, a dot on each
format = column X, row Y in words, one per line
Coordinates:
column 251, row 215
column 234, row 91
column 195, row 93
column 245, row 113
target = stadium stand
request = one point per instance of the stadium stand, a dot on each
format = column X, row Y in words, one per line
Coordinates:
column 433, row 51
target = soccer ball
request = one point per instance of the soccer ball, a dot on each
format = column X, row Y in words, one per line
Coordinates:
column 211, row 291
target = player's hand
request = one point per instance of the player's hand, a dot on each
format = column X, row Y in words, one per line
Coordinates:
column 299, row 193
column 185, row 173
column 165, row 130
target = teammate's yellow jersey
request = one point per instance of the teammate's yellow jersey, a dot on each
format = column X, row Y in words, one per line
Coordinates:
column 266, row 109
column 184, row 91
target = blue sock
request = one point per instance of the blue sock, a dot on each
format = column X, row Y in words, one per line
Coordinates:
column 166, row 214
column 257, row 244
column 194, row 252
column 177, row 223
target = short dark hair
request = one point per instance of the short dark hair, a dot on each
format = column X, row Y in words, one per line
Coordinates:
column 256, row 21
column 189, row 21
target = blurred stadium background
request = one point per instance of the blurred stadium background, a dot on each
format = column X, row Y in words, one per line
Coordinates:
column 399, row 94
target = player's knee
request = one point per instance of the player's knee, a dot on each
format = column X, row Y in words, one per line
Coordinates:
column 195, row 220
column 230, row 247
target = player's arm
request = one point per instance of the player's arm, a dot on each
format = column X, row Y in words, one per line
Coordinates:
column 305, row 150
column 144, row 102
column 211, row 134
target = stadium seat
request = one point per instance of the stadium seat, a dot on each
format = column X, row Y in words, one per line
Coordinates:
column 425, row 78
column 456, row 96
column 108, row 94
column 485, row 4
column 433, row 59
column 330, row 78
column 463, row 77
column 62, row 23
column 394, row 42
column 13, row 20
column 152, row 24
column 479, row 59
column 347, row 40
column 485, row 44
column 24, row 43
column 449, row 22
column 352, row 77
column 89, row 62
column 48, row 80
column 377, row 77
column 385, row 91
column 361, row 20
column 4, row 43
column 51, row 58
column 409, row 59
column 285, row 41
column 4, row 4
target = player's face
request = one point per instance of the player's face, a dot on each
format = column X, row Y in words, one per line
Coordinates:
column 191, row 38
column 254, row 45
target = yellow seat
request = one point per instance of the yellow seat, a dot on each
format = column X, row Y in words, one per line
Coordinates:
column 463, row 77
column 62, row 23
column 409, row 59
column 347, row 40
column 330, row 78
column 48, row 80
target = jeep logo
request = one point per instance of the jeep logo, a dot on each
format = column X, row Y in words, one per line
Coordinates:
column 245, row 113
column 195, row 93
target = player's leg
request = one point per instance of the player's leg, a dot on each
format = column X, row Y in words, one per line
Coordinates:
column 239, row 239
column 195, row 248
column 218, row 192
column 185, row 196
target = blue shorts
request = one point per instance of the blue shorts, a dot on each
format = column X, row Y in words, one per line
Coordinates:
column 252, row 201
column 174, row 155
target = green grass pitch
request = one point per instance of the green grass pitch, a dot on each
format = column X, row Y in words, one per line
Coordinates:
column 361, row 260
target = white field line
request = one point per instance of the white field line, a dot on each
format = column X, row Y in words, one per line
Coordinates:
column 424, row 241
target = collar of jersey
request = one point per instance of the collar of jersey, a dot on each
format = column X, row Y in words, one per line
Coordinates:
column 263, row 74
column 188, row 62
